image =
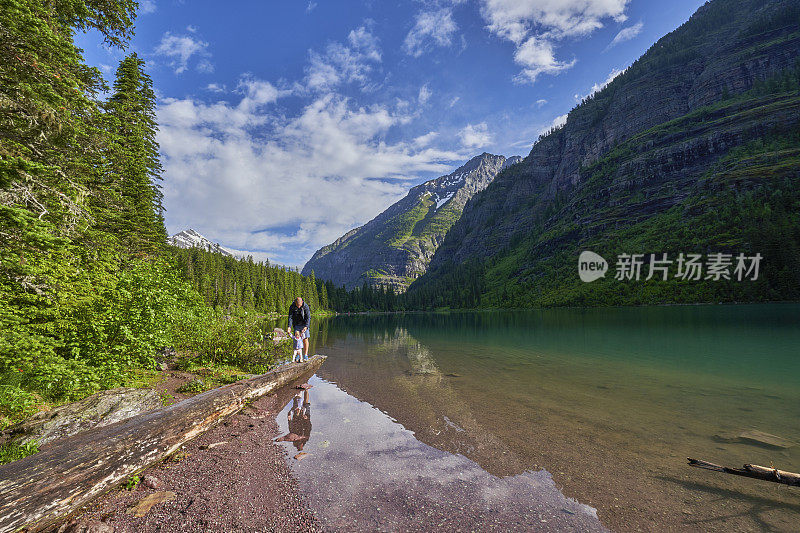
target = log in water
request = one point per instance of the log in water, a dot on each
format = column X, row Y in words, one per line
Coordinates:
column 753, row 471
column 39, row 489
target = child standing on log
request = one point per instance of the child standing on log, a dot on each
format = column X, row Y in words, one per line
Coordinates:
column 300, row 320
column 297, row 356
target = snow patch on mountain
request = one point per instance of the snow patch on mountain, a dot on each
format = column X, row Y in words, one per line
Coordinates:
column 442, row 201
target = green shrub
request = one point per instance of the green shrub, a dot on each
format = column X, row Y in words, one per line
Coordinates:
column 107, row 319
column 243, row 341
column 131, row 483
column 10, row 451
column 15, row 403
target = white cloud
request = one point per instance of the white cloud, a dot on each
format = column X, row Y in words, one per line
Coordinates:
column 626, row 34
column 454, row 101
column 257, row 256
column 475, row 135
column 425, row 140
column 146, row 7
column 558, row 122
column 540, row 102
column 257, row 93
column 205, row 66
column 432, row 27
column 343, row 63
column 179, row 49
column 310, row 7
column 216, row 87
column 424, row 94
column 537, row 57
column 244, row 173
column 534, row 26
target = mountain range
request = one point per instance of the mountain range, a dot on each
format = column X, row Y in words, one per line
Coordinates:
column 695, row 148
column 395, row 247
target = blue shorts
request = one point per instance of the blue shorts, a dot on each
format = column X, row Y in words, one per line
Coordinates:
column 305, row 335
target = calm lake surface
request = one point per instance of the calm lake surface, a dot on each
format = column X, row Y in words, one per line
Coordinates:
column 604, row 404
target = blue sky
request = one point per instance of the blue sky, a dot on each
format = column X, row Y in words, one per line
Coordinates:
column 284, row 124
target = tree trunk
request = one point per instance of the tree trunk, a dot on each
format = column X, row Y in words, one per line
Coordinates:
column 68, row 473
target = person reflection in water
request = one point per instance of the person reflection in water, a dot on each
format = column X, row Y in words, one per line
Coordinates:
column 299, row 423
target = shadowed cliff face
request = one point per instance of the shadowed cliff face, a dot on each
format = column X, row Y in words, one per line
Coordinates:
column 710, row 113
column 395, row 247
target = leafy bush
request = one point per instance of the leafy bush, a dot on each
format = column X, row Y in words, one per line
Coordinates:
column 244, row 341
column 15, row 403
column 107, row 320
column 10, row 451
column 131, row 483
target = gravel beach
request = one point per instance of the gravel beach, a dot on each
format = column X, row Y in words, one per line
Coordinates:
column 232, row 478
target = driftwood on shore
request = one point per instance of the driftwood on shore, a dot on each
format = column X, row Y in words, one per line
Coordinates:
column 753, row 471
column 68, row 473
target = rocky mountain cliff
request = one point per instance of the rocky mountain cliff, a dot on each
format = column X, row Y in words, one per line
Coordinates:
column 395, row 247
column 694, row 148
column 189, row 238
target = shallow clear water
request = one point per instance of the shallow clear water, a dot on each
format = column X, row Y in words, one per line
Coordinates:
column 611, row 401
column 365, row 472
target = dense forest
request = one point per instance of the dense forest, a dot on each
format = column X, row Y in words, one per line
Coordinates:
column 228, row 284
column 89, row 291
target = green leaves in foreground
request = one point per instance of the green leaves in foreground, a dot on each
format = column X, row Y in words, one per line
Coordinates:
column 10, row 451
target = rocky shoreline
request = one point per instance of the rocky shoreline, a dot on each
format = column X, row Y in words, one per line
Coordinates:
column 232, row 478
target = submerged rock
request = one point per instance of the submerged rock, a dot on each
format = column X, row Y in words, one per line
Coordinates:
column 100, row 409
column 765, row 439
column 755, row 437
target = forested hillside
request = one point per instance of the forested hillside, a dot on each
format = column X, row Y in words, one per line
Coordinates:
column 89, row 291
column 694, row 149
column 227, row 283
column 83, row 294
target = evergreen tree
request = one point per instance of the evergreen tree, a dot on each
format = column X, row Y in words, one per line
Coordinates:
column 135, row 168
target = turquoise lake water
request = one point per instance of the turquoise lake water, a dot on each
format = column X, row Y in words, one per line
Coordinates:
column 609, row 401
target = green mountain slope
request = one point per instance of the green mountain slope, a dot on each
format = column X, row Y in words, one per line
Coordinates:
column 395, row 247
column 694, row 149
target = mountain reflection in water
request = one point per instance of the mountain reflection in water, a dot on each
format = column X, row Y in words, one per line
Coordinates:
column 366, row 472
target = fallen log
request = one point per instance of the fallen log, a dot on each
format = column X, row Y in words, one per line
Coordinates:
column 68, row 473
column 753, row 471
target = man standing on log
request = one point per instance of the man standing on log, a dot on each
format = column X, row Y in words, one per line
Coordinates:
column 300, row 320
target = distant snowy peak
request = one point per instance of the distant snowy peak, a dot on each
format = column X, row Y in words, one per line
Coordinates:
column 189, row 238
column 480, row 169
